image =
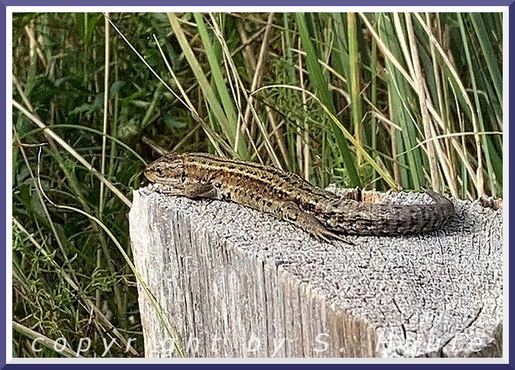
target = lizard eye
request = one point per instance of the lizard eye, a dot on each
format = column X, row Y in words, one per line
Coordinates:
column 217, row 184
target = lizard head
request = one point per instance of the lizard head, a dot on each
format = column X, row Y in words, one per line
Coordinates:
column 168, row 170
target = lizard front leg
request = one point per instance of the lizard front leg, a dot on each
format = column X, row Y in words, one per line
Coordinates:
column 193, row 191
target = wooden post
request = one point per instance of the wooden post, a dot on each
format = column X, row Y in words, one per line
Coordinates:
column 228, row 281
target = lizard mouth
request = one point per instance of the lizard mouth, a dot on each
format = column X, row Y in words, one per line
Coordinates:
column 150, row 175
column 165, row 170
column 155, row 178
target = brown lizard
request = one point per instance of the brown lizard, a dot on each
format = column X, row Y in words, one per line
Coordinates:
column 289, row 197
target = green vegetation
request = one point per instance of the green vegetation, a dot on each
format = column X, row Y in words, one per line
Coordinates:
column 379, row 100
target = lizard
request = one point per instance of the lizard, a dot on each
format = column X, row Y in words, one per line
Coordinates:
column 289, row 197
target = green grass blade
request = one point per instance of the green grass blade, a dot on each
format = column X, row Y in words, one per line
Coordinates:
column 216, row 71
column 354, row 72
column 486, row 143
column 229, row 128
column 321, row 86
column 488, row 53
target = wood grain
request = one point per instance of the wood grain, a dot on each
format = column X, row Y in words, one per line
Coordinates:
column 220, row 270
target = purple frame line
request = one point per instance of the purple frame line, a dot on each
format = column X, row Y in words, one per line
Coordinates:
column 262, row 3
column 511, row 278
column 3, row 242
column 3, row 77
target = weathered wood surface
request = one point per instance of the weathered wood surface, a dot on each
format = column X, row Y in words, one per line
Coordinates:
column 239, row 283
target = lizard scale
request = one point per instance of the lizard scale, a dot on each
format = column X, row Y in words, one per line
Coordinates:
column 289, row 197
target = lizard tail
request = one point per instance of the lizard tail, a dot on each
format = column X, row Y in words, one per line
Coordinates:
column 391, row 219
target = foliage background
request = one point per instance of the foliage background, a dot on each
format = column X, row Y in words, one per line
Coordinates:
column 376, row 100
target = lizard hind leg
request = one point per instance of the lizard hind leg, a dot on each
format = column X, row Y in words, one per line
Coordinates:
column 308, row 222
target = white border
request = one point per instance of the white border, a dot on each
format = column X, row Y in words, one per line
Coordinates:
column 265, row 360
column 8, row 185
column 323, row 9
column 506, row 183
column 245, row 9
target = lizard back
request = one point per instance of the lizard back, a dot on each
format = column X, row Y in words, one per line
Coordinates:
column 290, row 197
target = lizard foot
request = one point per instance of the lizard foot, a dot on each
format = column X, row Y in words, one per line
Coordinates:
column 308, row 222
column 354, row 194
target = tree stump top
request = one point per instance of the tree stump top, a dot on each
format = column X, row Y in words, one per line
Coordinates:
column 435, row 294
